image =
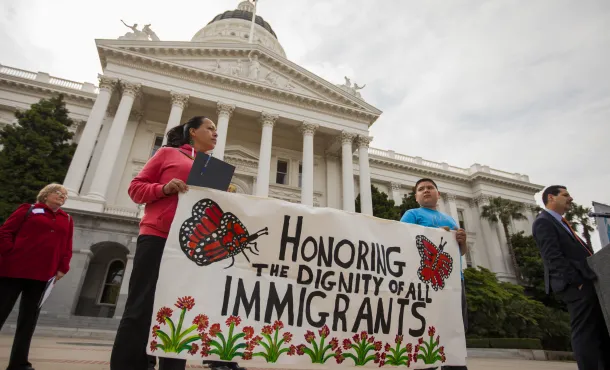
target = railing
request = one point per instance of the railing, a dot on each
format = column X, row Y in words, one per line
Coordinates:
column 444, row 166
column 18, row 72
column 45, row 78
column 122, row 211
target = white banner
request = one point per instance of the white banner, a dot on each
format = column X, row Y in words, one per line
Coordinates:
column 272, row 284
column 603, row 224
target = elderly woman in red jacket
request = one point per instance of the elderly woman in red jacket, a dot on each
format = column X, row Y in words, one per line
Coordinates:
column 35, row 246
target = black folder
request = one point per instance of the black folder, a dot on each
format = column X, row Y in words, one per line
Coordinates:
column 210, row 172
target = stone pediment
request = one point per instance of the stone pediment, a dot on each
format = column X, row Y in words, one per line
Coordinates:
column 248, row 66
column 244, row 160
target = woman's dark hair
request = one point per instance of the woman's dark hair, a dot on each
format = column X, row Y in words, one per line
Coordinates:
column 179, row 135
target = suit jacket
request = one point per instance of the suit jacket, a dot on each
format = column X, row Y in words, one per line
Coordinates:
column 564, row 257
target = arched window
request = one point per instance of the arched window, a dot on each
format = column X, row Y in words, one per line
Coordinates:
column 112, row 282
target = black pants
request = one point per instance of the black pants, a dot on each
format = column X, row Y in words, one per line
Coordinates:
column 465, row 320
column 129, row 350
column 31, row 292
column 590, row 339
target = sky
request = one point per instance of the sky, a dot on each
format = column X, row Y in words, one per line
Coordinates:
column 518, row 85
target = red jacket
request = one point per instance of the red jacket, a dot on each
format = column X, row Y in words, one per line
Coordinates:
column 147, row 188
column 37, row 246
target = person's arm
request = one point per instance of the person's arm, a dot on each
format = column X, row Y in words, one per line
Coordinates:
column 10, row 228
column 550, row 249
column 145, row 187
column 66, row 256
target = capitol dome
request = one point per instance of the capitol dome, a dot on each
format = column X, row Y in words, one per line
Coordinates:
column 233, row 26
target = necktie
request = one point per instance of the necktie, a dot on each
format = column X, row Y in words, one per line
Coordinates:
column 576, row 236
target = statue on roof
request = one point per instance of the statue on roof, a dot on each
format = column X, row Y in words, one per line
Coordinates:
column 353, row 90
column 143, row 35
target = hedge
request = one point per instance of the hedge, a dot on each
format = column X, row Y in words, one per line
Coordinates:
column 513, row 343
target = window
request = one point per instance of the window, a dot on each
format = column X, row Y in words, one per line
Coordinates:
column 157, row 145
column 300, row 175
column 468, row 257
column 282, row 172
column 112, row 283
column 461, row 219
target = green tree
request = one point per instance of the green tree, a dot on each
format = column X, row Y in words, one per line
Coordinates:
column 408, row 202
column 36, row 151
column 578, row 215
column 383, row 207
column 503, row 211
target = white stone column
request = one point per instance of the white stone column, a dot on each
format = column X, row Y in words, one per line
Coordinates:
column 101, row 180
column 366, row 199
column 267, row 120
column 333, row 181
column 225, row 111
column 347, row 171
column 395, row 189
column 120, row 305
column 452, row 207
column 78, row 166
column 490, row 241
column 179, row 104
column 308, row 130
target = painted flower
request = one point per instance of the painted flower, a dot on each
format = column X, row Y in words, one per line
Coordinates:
column 163, row 313
column 204, row 337
column 202, row 322
column 339, row 357
column 431, row 331
column 421, row 341
column 416, row 348
column 267, row 330
column 371, row 339
column 409, row 347
column 438, row 339
column 378, row 346
column 250, row 346
column 235, row 320
column 214, row 330
column 441, row 350
column 309, row 336
column 398, row 339
column 278, row 325
column 287, row 337
column 381, row 363
column 292, row 350
column 347, row 344
column 301, row 349
column 249, row 331
column 325, row 331
column 205, row 350
column 257, row 339
column 363, row 335
column 194, row 349
column 334, row 344
column 185, row 302
column 247, row 355
column 443, row 358
column 154, row 331
column 377, row 357
column 387, row 347
column 153, row 346
column 356, row 338
column 410, row 357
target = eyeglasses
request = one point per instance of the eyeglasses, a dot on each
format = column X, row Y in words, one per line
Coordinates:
column 61, row 194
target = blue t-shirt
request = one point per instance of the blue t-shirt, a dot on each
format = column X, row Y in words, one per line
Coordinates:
column 430, row 218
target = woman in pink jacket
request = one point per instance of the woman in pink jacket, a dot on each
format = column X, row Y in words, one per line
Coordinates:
column 157, row 186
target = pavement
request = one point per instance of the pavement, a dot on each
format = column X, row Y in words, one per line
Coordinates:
column 89, row 354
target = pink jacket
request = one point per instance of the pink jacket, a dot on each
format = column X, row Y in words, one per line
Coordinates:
column 147, row 188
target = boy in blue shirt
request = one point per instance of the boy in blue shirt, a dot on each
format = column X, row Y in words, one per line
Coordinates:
column 427, row 196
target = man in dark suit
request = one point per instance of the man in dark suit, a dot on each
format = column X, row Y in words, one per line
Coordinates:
column 567, row 273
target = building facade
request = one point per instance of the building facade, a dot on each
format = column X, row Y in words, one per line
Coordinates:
column 291, row 135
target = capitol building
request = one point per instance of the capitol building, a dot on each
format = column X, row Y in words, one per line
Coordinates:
column 290, row 134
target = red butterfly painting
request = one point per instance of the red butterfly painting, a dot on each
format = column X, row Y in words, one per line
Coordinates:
column 436, row 265
column 211, row 235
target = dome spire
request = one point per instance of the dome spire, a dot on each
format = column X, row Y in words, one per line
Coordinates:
column 246, row 6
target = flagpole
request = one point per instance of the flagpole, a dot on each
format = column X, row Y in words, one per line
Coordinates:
column 251, row 39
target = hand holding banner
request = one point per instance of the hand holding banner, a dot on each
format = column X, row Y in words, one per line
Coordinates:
column 273, row 284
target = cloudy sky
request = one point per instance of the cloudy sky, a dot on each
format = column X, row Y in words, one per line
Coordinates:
column 519, row 85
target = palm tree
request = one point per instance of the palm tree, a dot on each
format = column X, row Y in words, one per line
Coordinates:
column 505, row 210
column 579, row 215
